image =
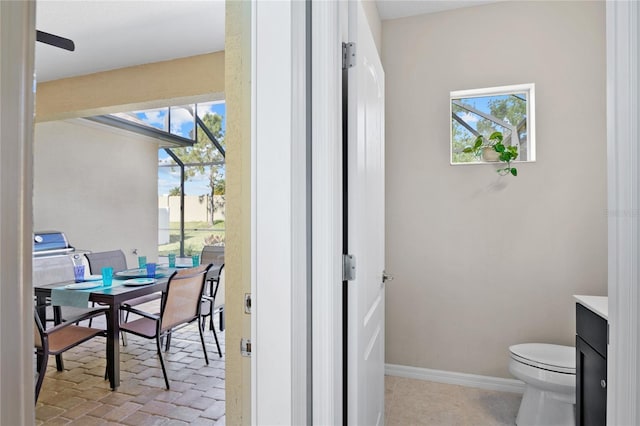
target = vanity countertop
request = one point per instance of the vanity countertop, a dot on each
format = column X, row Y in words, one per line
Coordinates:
column 597, row 304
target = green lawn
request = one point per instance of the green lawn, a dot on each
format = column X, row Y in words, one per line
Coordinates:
column 196, row 236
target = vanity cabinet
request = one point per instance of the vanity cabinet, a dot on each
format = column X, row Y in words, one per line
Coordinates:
column 591, row 368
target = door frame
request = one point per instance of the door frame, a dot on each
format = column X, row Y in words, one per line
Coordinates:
column 17, row 45
column 329, row 30
column 276, row 402
column 279, row 235
column 623, row 191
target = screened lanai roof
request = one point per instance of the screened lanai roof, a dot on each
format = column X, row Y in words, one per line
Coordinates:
column 177, row 126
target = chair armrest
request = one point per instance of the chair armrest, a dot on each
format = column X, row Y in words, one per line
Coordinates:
column 143, row 299
column 85, row 316
column 141, row 313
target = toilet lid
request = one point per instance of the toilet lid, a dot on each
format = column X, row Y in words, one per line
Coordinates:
column 546, row 356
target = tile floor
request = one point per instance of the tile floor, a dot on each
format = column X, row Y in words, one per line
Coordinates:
column 419, row 402
column 80, row 395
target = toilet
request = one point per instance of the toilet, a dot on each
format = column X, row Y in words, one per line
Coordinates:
column 549, row 374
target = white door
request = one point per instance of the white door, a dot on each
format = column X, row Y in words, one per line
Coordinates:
column 365, row 227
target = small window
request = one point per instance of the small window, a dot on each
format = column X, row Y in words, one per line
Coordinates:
column 507, row 109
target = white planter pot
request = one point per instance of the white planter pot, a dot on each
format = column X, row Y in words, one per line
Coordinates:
column 490, row 154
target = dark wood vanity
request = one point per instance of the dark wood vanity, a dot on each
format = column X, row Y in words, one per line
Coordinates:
column 591, row 361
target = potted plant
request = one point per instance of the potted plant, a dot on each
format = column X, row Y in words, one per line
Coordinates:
column 492, row 149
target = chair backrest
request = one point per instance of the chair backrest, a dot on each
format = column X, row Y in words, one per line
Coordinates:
column 219, row 296
column 181, row 303
column 49, row 270
column 213, row 255
column 38, row 331
column 114, row 258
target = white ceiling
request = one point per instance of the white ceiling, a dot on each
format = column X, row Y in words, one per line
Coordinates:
column 111, row 34
column 392, row 9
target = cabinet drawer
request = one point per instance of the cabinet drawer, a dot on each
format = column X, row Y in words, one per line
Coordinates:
column 592, row 328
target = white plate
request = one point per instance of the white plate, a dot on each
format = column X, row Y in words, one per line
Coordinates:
column 139, row 281
column 133, row 273
column 93, row 278
column 83, row 286
column 141, row 273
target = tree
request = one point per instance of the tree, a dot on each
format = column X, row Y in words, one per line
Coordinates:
column 511, row 109
column 203, row 152
column 174, row 192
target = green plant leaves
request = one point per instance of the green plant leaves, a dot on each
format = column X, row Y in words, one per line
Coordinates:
column 496, row 136
column 506, row 153
column 514, row 151
column 478, row 143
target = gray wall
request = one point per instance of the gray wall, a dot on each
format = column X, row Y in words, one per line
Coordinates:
column 97, row 184
column 483, row 262
column 373, row 19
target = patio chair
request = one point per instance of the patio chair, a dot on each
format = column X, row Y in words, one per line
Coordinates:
column 180, row 306
column 117, row 260
column 215, row 256
column 60, row 338
column 56, row 269
column 114, row 258
column 213, row 302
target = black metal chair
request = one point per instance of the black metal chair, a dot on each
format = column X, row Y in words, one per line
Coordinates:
column 213, row 302
column 60, row 338
column 181, row 305
column 215, row 256
column 118, row 261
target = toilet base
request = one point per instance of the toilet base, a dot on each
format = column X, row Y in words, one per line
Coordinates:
column 539, row 407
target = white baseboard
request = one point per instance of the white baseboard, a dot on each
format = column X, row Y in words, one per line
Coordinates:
column 453, row 378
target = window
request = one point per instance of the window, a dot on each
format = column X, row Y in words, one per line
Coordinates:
column 199, row 171
column 507, row 109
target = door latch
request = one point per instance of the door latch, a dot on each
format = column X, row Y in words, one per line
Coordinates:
column 245, row 347
column 247, row 303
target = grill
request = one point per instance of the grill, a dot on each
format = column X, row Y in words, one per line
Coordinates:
column 54, row 257
column 51, row 243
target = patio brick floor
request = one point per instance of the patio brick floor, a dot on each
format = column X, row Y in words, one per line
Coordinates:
column 80, row 396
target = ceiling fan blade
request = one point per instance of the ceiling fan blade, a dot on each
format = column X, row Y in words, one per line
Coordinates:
column 54, row 40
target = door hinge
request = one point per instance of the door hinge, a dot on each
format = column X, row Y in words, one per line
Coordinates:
column 245, row 347
column 348, row 267
column 348, row 55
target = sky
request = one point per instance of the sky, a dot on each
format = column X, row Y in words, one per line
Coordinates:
column 480, row 103
column 182, row 124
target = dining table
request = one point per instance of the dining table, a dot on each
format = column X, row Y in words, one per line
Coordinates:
column 112, row 296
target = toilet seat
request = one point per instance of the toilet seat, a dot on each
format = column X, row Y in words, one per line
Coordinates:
column 556, row 358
